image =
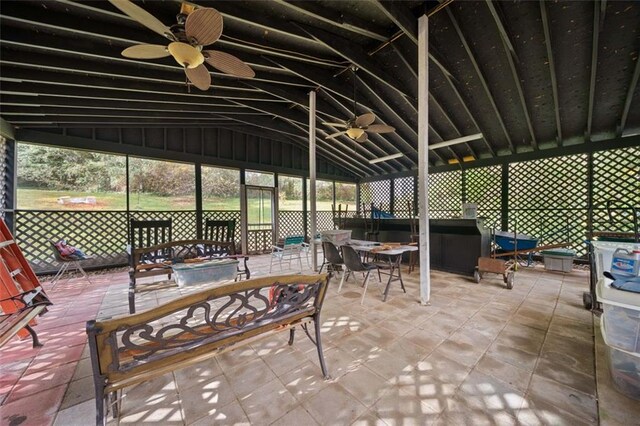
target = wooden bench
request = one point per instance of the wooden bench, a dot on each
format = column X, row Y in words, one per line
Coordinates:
column 155, row 260
column 35, row 303
column 132, row 349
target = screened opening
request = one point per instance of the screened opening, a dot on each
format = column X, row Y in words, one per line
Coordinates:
column 161, row 185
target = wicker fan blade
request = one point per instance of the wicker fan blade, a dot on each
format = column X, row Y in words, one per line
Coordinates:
column 146, row 51
column 339, row 125
column 380, row 128
column 228, row 64
column 365, row 119
column 199, row 76
column 363, row 138
column 204, row 25
column 142, row 16
column 334, row 135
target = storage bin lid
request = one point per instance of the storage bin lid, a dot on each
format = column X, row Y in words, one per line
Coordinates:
column 203, row 265
column 559, row 252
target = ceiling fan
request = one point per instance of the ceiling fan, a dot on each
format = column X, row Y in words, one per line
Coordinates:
column 195, row 28
column 358, row 126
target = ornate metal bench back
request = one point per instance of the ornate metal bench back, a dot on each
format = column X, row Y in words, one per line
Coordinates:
column 202, row 322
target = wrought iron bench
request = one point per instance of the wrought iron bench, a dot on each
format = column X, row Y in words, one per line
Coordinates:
column 35, row 303
column 136, row 348
column 156, row 260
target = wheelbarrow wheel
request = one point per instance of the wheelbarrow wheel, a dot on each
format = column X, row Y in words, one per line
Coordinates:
column 477, row 276
column 509, row 280
column 587, row 300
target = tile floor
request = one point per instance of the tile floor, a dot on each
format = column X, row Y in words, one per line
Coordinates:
column 479, row 354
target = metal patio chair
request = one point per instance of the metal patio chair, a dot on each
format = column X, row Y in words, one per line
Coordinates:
column 291, row 249
column 354, row 263
column 68, row 264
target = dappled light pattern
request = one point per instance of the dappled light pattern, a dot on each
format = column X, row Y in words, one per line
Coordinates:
column 478, row 355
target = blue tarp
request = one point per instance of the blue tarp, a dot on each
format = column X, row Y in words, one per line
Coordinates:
column 379, row 214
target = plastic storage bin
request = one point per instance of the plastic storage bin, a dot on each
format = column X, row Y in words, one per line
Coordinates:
column 623, row 327
column 338, row 237
column 205, row 272
column 558, row 260
column 624, row 367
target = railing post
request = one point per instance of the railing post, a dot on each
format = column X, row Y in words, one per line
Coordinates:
column 199, row 213
column 305, row 211
column 392, row 204
column 590, row 195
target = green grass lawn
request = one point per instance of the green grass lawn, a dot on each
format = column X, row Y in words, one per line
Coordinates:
column 38, row 199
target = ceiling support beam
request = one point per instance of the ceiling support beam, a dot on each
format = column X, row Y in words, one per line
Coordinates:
column 552, row 68
column 511, row 55
column 483, row 81
column 629, row 97
column 594, row 66
column 402, row 17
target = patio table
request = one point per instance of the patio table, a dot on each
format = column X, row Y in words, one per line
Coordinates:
column 394, row 255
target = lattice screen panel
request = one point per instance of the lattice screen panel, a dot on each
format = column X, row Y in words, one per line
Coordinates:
column 445, row 195
column 377, row 192
column 290, row 223
column 324, row 221
column 616, row 176
column 404, row 197
column 484, row 187
column 99, row 233
column 183, row 223
column 549, row 195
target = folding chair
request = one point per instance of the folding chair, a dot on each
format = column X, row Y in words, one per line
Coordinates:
column 67, row 262
column 291, row 249
column 354, row 264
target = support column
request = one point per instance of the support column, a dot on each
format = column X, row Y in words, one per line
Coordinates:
column 305, row 210
column 504, row 198
column 312, row 176
column 199, row 213
column 423, row 158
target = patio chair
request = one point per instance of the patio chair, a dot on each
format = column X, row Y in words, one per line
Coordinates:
column 333, row 259
column 224, row 231
column 142, row 234
column 291, row 249
column 354, row 263
column 67, row 262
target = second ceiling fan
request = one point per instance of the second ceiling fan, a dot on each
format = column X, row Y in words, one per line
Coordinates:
column 358, row 125
column 195, row 29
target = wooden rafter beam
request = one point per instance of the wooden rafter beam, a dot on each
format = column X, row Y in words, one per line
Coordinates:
column 345, row 48
column 594, row 66
column 481, row 77
column 402, row 17
column 552, row 68
column 510, row 54
column 632, row 88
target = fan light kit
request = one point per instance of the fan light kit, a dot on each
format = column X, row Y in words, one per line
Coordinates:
column 196, row 27
column 358, row 126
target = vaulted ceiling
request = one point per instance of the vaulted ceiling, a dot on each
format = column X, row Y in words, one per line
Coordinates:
column 527, row 75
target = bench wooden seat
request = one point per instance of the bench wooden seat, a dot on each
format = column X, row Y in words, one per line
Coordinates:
column 136, row 348
column 11, row 324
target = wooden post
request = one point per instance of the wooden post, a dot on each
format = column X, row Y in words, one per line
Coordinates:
column 312, row 176
column 423, row 158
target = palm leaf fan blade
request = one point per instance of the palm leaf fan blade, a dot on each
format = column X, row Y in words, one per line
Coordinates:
column 204, row 25
column 380, row 128
column 199, row 77
column 334, row 135
column 228, row 64
column 140, row 15
column 146, row 51
column 365, row 119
